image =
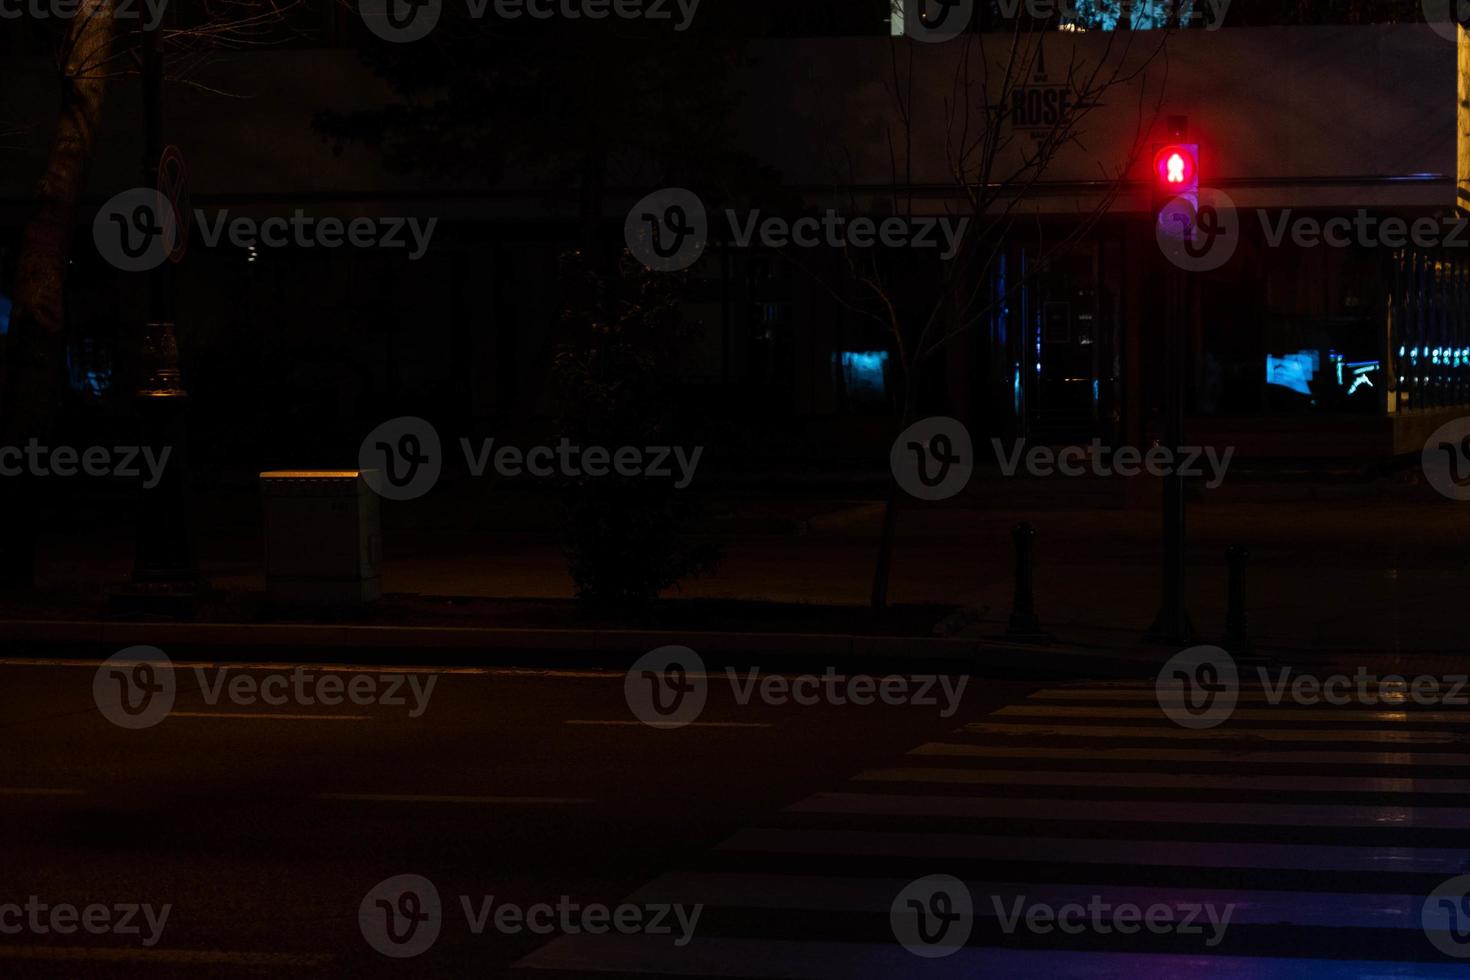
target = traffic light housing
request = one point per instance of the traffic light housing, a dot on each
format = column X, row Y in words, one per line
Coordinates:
column 1176, row 182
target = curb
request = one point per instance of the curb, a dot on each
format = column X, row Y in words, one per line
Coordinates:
column 497, row 647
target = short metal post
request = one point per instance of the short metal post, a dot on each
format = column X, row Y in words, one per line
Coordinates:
column 1024, row 625
column 1237, row 639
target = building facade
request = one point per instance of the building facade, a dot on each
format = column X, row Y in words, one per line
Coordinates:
column 1349, row 348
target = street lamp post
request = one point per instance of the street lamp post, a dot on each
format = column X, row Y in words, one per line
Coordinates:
column 165, row 575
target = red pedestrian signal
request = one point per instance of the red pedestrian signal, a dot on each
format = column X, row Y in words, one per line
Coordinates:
column 1176, row 168
column 1176, row 188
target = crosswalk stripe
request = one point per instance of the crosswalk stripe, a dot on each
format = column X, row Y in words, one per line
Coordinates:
column 1144, row 780
column 1244, row 714
column 447, row 798
column 265, row 716
column 1389, row 699
column 712, row 956
column 1096, row 694
column 1137, row 811
column 1066, row 850
column 824, row 893
column 1396, row 759
column 670, row 725
column 815, row 871
column 1223, row 733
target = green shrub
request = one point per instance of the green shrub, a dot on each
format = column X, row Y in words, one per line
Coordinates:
column 616, row 378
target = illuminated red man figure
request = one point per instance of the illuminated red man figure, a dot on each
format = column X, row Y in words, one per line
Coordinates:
column 1176, row 169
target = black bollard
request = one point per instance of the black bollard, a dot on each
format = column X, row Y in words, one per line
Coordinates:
column 1236, row 640
column 1024, row 625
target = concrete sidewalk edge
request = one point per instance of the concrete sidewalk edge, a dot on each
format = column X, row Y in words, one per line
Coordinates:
column 974, row 652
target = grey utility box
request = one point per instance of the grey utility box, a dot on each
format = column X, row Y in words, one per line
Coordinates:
column 323, row 540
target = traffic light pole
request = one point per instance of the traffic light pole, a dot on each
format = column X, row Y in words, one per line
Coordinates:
column 1172, row 624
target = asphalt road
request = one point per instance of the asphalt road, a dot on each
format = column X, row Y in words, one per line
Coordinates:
column 265, row 826
column 168, row 822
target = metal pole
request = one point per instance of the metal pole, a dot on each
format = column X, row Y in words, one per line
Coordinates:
column 1237, row 638
column 165, row 576
column 1024, row 624
column 152, row 151
column 1172, row 623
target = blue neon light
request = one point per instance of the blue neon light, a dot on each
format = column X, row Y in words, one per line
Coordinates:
column 863, row 371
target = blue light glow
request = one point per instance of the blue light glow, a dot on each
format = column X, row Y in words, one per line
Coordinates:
column 863, row 372
column 89, row 368
column 1105, row 14
column 1082, row 15
column 1293, row 371
column 97, row 383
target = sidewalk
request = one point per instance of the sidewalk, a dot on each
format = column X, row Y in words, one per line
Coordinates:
column 1382, row 574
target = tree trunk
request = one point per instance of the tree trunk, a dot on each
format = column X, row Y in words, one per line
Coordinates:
column 878, row 601
column 35, row 347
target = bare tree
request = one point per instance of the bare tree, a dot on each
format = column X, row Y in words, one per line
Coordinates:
column 33, row 347
column 994, row 175
column 94, row 48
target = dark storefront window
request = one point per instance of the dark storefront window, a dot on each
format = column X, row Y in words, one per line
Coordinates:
column 1287, row 330
column 1324, row 332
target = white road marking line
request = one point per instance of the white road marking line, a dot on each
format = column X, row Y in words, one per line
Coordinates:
column 670, row 725
column 265, row 716
column 1244, row 714
column 1224, row 733
column 201, row 957
column 610, row 674
column 419, row 798
column 1106, row 851
column 1290, row 758
column 1138, row 811
column 39, row 791
column 1153, row 780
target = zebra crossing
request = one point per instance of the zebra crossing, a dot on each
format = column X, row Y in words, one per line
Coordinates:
column 1071, row 834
